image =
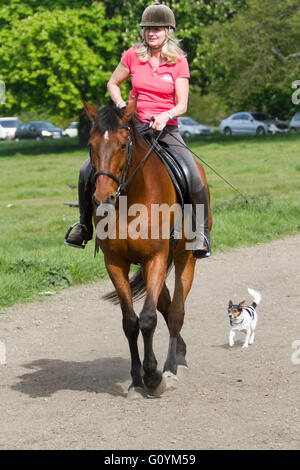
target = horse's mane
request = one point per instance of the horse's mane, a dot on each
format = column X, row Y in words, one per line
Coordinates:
column 108, row 120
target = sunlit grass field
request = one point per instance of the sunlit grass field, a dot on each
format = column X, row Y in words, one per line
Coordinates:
column 34, row 178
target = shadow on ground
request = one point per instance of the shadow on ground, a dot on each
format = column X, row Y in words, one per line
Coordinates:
column 51, row 375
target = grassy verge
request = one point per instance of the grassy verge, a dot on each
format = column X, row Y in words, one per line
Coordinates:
column 34, row 178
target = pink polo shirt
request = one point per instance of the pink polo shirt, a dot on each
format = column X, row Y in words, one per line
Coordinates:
column 156, row 87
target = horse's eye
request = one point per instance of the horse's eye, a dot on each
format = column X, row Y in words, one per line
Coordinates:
column 123, row 147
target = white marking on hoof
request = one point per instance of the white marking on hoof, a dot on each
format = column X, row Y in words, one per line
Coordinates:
column 182, row 371
column 159, row 390
column 171, row 379
column 136, row 393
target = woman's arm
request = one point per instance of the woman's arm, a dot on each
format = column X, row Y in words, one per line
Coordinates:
column 120, row 74
column 181, row 96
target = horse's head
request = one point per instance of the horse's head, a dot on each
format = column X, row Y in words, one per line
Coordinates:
column 109, row 142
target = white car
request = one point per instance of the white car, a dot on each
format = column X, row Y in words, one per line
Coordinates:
column 10, row 125
column 72, row 130
column 188, row 127
column 2, row 133
column 253, row 123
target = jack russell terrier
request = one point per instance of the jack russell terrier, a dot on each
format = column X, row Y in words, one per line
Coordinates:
column 243, row 318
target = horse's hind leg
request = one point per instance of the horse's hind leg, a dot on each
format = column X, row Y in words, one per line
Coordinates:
column 184, row 275
column 119, row 277
column 164, row 303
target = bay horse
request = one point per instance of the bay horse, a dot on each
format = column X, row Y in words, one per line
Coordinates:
column 150, row 184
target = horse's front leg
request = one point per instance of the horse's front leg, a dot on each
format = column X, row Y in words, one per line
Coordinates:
column 119, row 275
column 154, row 274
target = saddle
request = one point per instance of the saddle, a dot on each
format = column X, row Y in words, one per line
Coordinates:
column 176, row 166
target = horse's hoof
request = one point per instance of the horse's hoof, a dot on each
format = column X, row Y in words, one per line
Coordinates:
column 182, row 371
column 136, row 393
column 159, row 390
column 171, row 379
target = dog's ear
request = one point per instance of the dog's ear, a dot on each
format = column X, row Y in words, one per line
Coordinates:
column 241, row 304
column 230, row 304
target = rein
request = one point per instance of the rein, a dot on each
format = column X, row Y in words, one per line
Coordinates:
column 211, row 168
column 123, row 186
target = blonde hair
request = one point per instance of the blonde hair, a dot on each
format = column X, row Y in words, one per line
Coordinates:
column 170, row 49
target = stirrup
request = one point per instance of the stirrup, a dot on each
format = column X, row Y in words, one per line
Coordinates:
column 68, row 233
column 199, row 254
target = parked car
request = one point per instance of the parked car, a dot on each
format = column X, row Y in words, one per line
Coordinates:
column 72, row 130
column 252, row 123
column 294, row 124
column 2, row 133
column 188, row 127
column 38, row 130
column 10, row 124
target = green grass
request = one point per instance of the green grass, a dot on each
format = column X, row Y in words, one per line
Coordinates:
column 34, row 179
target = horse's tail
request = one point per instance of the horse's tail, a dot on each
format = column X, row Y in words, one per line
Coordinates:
column 137, row 284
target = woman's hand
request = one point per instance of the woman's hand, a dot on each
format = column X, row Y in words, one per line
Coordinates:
column 160, row 121
column 121, row 104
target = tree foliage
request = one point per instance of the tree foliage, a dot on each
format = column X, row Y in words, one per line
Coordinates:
column 56, row 56
column 191, row 19
column 252, row 60
column 54, row 52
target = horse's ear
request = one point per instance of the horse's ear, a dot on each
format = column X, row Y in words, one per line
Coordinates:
column 90, row 110
column 130, row 109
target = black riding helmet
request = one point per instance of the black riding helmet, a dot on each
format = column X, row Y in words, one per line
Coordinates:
column 158, row 15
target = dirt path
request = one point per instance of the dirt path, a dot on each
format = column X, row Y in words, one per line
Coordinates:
column 64, row 385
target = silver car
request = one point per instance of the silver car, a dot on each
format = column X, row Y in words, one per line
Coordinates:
column 188, row 127
column 295, row 123
column 253, row 123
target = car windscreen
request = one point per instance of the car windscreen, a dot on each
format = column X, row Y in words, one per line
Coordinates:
column 43, row 125
column 189, row 122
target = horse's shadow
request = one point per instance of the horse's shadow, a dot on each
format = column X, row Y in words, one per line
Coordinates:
column 51, row 375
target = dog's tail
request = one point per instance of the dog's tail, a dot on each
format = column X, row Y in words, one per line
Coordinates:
column 256, row 296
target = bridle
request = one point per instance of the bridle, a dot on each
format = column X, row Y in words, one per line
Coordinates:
column 122, row 182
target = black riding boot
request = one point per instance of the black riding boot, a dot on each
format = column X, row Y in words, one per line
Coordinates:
column 84, row 228
column 202, row 243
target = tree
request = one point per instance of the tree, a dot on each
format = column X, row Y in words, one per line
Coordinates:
column 191, row 19
column 254, row 58
column 55, row 52
column 56, row 57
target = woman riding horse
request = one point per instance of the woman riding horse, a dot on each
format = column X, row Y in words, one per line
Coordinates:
column 160, row 77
